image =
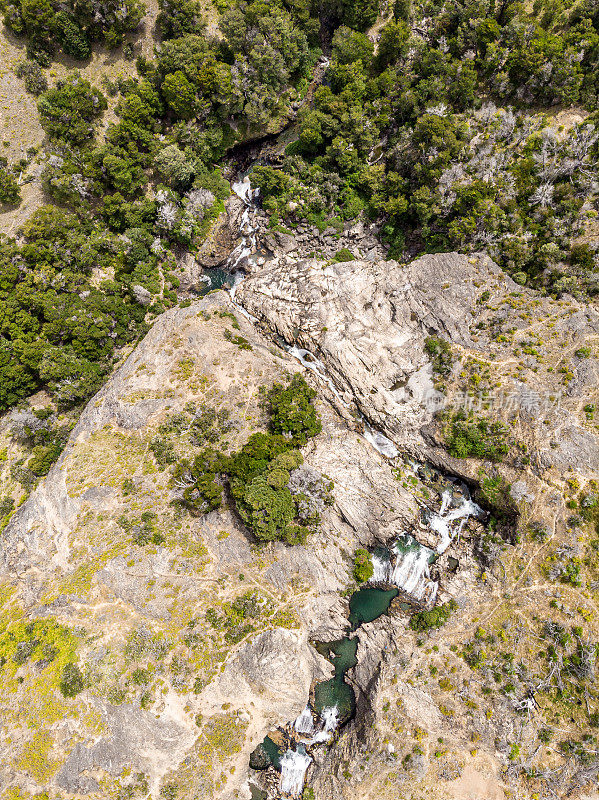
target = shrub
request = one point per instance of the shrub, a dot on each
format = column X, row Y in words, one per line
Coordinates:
column 363, row 568
column 70, row 110
column 476, row 437
column 292, row 413
column 10, row 192
column 435, row 618
column 71, row 681
column 69, row 34
column 259, row 474
column 33, row 77
column 43, row 458
column 344, row 255
column 440, row 354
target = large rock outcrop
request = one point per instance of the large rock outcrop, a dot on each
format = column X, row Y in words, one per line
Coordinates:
column 369, row 323
column 152, row 663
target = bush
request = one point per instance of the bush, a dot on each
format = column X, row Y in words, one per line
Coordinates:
column 70, row 110
column 476, row 438
column 178, row 17
column 440, row 354
column 435, row 618
column 33, row 77
column 292, row 413
column 363, row 568
column 70, row 24
column 258, row 475
column 43, row 458
column 71, row 681
column 10, row 193
column 344, row 255
column 69, row 34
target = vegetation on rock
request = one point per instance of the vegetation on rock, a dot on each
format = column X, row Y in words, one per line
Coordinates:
column 363, row 568
column 470, row 437
column 263, row 478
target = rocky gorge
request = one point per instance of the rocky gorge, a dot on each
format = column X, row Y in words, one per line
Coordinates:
column 175, row 705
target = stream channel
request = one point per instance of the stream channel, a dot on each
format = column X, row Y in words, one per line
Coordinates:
column 400, row 568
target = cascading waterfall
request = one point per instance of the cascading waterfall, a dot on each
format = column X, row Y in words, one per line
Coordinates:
column 294, row 765
column 407, row 564
column 412, row 570
column 330, row 718
column 315, row 365
column 305, row 722
column 382, row 569
column 248, row 228
column 246, row 249
column 441, row 522
column 379, row 441
column 330, row 721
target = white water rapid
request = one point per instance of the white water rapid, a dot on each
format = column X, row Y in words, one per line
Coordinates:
column 246, row 249
column 330, row 721
column 410, row 570
column 441, row 522
column 309, row 361
column 305, row 723
column 407, row 565
column 380, row 442
column 294, row 765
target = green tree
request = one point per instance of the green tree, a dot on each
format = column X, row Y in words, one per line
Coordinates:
column 292, row 412
column 174, row 166
column 73, row 40
column 350, row 46
column 71, row 109
column 359, row 14
column 178, row 17
column 180, row 95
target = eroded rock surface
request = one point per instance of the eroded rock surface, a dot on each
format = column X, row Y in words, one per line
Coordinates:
column 167, row 695
column 369, row 324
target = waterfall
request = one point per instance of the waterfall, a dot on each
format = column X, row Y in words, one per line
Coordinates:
column 380, row 442
column 243, row 190
column 412, row 569
column 441, row 521
column 304, row 723
column 249, row 240
column 316, row 366
column 382, row 569
column 294, row 765
column 330, row 718
column 247, row 227
column 408, row 568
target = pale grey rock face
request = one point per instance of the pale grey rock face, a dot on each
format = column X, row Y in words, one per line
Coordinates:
column 367, row 326
column 368, row 323
column 222, row 237
column 137, row 740
column 266, row 679
column 142, row 295
column 272, row 672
